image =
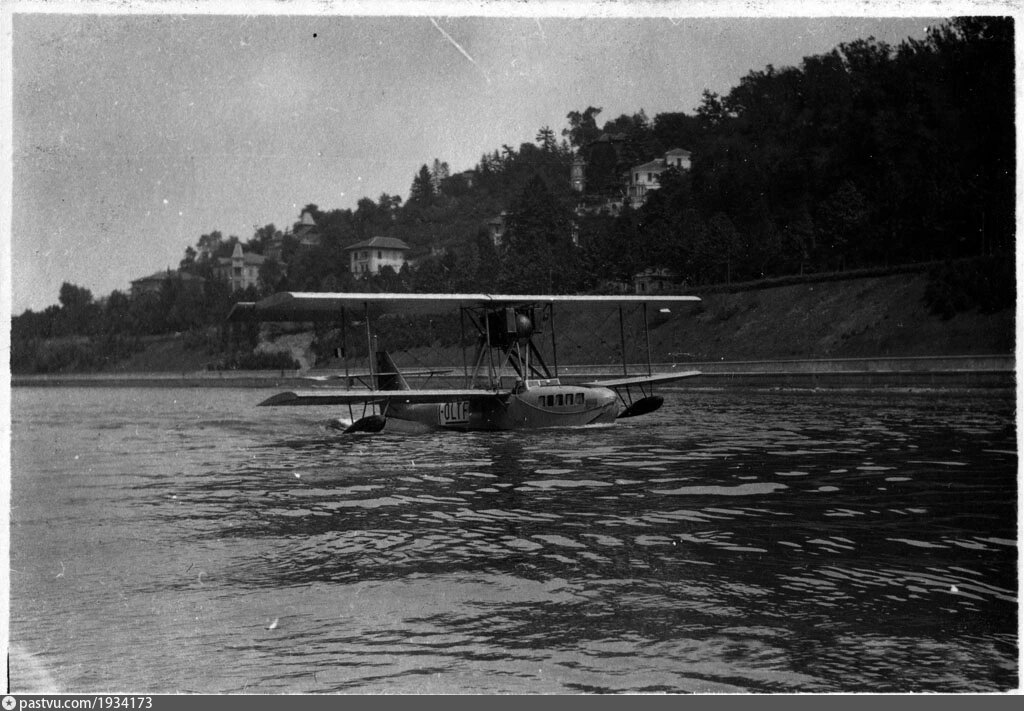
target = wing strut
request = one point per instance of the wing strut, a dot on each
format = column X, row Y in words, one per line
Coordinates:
column 622, row 342
column 344, row 359
column 554, row 346
column 369, row 340
column 647, row 337
column 462, row 344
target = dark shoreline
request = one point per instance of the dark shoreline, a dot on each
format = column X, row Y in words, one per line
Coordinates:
column 980, row 371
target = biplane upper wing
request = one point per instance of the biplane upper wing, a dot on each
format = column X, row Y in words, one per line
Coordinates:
column 315, row 306
column 350, row 397
column 365, row 374
column 641, row 379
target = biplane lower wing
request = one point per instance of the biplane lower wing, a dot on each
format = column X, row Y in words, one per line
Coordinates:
column 641, row 380
column 373, row 397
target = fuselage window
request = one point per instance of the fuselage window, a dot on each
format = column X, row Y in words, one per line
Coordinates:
column 558, row 400
column 579, row 398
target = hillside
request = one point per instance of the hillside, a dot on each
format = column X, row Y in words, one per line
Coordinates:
column 875, row 316
column 880, row 316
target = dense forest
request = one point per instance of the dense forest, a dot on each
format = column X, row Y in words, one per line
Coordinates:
column 867, row 156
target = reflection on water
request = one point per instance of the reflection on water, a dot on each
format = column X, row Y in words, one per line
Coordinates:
column 183, row 540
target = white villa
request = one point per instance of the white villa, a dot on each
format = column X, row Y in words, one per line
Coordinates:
column 644, row 177
column 369, row 256
column 241, row 269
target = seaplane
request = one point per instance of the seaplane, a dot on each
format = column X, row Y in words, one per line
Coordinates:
column 510, row 386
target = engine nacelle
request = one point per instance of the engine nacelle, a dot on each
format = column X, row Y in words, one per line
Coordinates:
column 510, row 325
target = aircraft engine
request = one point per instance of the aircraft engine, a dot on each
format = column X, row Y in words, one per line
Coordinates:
column 510, row 325
column 524, row 327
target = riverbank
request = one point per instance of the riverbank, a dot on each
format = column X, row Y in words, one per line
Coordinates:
column 868, row 328
column 977, row 371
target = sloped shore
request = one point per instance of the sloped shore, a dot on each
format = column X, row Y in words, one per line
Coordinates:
column 870, row 325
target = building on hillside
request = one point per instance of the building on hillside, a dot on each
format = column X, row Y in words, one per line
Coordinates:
column 370, row 256
column 241, row 269
column 496, row 227
column 153, row 283
column 578, row 174
column 306, row 231
column 645, row 177
column 678, row 158
column 615, row 286
column 656, row 280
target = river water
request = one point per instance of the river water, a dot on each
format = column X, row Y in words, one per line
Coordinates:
column 183, row 540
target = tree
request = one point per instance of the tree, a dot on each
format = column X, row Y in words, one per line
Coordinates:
column 538, row 253
column 262, row 238
column 208, row 245
column 389, row 204
column 74, row 298
column 366, row 217
column 724, row 244
column 603, row 170
column 488, row 261
column 422, row 190
column 438, row 173
column 798, row 239
column 227, row 247
column 582, row 127
column 841, row 218
column 610, row 246
column 546, row 139
column 116, row 312
column 432, row 275
column 712, row 112
column 78, row 313
column 677, row 130
column 188, row 264
column 271, row 274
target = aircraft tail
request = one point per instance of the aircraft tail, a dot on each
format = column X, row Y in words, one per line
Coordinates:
column 388, row 377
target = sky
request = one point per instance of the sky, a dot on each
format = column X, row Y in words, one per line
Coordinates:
column 134, row 134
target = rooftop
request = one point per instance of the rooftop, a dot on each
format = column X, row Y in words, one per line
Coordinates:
column 239, row 253
column 169, row 274
column 379, row 243
column 658, row 164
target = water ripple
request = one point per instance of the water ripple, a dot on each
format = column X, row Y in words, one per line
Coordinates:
column 735, row 542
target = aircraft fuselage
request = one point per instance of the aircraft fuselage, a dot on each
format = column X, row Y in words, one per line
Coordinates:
column 543, row 404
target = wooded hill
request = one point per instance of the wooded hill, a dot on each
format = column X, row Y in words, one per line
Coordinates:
column 867, row 156
column 869, row 316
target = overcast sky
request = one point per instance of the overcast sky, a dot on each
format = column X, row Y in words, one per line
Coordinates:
column 133, row 135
